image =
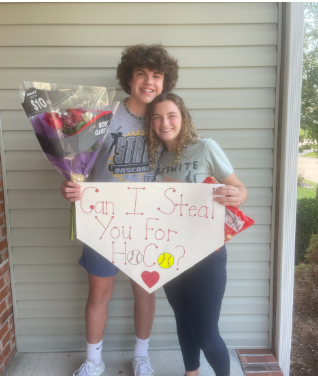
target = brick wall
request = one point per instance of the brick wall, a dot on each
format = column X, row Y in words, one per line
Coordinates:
column 7, row 337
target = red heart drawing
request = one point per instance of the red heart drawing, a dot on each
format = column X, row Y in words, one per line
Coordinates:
column 150, row 279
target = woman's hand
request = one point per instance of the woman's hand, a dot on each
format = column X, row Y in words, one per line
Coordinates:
column 70, row 191
column 232, row 196
column 234, row 191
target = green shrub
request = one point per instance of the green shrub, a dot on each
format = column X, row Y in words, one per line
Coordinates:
column 301, row 138
column 306, row 226
column 312, row 250
column 307, row 147
column 301, row 149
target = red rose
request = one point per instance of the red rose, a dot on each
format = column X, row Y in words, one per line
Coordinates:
column 76, row 114
column 53, row 120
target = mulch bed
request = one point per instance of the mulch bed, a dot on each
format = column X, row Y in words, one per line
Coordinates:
column 304, row 354
column 303, row 184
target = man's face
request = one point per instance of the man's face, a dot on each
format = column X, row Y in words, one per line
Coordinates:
column 145, row 85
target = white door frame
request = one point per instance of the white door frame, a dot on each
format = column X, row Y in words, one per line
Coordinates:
column 288, row 180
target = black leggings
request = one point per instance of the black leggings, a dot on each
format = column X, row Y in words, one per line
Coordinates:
column 196, row 298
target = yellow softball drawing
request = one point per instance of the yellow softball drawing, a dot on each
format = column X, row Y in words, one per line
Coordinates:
column 165, row 260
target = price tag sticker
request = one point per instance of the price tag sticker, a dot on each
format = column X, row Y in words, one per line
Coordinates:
column 39, row 101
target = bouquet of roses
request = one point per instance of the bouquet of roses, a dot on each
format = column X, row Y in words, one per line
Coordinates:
column 70, row 123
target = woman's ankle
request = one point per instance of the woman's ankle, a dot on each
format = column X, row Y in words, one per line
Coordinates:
column 193, row 373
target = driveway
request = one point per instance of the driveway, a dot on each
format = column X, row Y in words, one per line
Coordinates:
column 309, row 167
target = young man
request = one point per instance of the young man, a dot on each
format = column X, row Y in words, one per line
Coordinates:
column 144, row 72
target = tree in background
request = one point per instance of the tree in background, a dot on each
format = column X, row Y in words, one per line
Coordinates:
column 309, row 100
column 309, row 103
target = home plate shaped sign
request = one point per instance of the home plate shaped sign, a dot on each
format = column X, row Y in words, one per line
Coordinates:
column 151, row 231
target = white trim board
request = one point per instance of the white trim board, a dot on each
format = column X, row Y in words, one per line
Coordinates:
column 288, row 193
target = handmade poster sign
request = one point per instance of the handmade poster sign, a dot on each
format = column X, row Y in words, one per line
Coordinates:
column 150, row 231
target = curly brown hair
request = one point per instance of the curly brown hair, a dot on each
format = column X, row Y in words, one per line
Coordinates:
column 188, row 134
column 154, row 57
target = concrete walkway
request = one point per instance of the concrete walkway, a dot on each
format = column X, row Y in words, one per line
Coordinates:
column 165, row 363
column 309, row 167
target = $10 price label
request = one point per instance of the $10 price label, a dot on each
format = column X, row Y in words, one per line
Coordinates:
column 39, row 103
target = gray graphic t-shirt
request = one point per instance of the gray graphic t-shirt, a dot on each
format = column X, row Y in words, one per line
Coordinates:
column 198, row 161
column 124, row 154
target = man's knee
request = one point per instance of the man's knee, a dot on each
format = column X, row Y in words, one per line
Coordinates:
column 100, row 292
column 99, row 297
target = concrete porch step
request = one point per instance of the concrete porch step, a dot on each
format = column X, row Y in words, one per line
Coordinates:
column 165, row 363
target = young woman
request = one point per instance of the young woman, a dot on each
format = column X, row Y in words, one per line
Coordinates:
column 195, row 295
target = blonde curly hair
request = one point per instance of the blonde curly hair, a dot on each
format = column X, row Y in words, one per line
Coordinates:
column 188, row 134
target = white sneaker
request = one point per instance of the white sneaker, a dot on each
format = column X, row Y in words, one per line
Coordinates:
column 141, row 366
column 90, row 369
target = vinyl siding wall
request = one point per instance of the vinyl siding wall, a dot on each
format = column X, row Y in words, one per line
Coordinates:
column 227, row 54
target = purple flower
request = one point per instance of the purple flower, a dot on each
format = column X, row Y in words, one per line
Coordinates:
column 67, row 121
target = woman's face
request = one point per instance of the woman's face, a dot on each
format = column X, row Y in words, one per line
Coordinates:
column 167, row 122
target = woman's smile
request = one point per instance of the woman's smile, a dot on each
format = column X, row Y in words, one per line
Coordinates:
column 167, row 122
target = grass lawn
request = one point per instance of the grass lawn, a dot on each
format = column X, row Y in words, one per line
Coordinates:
column 310, row 155
column 307, row 192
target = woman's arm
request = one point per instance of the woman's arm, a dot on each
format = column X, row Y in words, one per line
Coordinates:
column 234, row 191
